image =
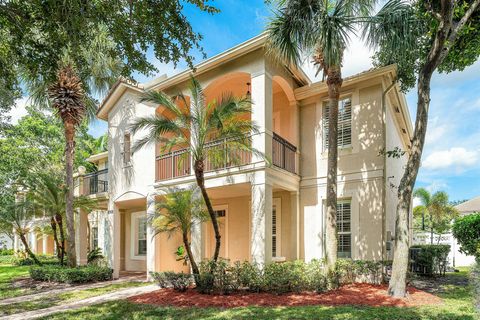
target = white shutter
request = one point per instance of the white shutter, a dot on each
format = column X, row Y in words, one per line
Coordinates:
column 344, row 138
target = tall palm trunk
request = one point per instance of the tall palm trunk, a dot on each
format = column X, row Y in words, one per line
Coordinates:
column 32, row 256
column 53, row 224
column 199, row 167
column 334, row 82
column 186, row 243
column 69, row 154
column 59, row 220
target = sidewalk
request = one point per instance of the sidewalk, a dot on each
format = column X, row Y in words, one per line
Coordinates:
column 117, row 295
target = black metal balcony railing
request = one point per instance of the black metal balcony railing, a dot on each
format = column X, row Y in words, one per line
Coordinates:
column 283, row 154
column 95, row 182
column 177, row 164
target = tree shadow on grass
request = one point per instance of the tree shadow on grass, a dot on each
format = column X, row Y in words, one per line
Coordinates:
column 127, row 310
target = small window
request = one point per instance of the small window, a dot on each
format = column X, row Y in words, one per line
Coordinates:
column 344, row 138
column 344, row 231
column 94, row 244
column 126, row 149
column 220, row 213
column 142, row 236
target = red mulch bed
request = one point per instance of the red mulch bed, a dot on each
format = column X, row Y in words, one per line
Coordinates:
column 354, row 294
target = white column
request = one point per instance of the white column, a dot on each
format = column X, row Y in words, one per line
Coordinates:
column 151, row 249
column 16, row 242
column 112, row 242
column 44, row 243
column 261, row 224
column 81, row 226
column 262, row 109
column 33, row 242
column 295, row 223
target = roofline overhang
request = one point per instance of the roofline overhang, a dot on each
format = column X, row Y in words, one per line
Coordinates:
column 97, row 157
column 235, row 52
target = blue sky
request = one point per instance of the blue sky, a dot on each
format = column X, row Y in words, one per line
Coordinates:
column 452, row 152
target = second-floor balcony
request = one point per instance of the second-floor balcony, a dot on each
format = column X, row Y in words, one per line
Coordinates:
column 178, row 163
column 95, row 182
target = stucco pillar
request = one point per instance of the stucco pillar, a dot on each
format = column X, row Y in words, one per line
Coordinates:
column 261, row 224
column 16, row 242
column 81, row 233
column 262, row 109
column 295, row 223
column 33, row 242
column 151, row 248
column 45, row 243
column 112, row 243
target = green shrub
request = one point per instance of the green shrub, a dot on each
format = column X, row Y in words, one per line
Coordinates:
column 21, row 259
column 218, row 277
column 467, row 232
column 95, row 256
column 429, row 259
column 249, row 275
column 82, row 274
column 475, row 283
column 6, row 252
column 6, row 259
column 316, row 279
column 285, row 277
column 178, row 280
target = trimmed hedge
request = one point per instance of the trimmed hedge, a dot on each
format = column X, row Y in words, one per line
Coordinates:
column 6, row 252
column 278, row 278
column 20, row 259
column 55, row 273
column 429, row 259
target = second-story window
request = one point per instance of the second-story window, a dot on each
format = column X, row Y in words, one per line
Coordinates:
column 126, row 149
column 344, row 138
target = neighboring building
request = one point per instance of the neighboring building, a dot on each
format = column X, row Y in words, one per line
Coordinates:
column 267, row 213
column 5, row 242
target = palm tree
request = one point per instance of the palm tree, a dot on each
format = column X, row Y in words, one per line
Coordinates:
column 436, row 207
column 178, row 212
column 321, row 29
column 80, row 75
column 46, row 194
column 18, row 216
column 193, row 128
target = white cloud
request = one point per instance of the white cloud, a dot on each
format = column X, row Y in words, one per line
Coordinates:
column 455, row 158
column 19, row 110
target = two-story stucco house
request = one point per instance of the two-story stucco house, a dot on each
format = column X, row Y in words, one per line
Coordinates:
column 266, row 212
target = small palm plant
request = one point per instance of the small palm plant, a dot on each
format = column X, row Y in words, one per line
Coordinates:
column 195, row 127
column 179, row 212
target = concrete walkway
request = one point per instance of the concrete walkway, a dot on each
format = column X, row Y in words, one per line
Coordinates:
column 40, row 295
column 117, row 295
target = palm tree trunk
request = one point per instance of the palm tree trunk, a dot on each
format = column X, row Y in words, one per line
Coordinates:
column 59, row 220
column 53, row 224
column 27, row 248
column 69, row 155
column 186, row 243
column 199, row 170
column 334, row 82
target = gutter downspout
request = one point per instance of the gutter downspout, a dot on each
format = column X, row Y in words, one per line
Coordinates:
column 384, row 198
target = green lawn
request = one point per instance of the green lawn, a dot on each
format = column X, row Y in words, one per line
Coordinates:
column 458, row 305
column 63, row 298
column 8, row 273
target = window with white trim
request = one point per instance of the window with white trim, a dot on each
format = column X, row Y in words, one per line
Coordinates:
column 344, row 230
column 94, row 238
column 344, row 138
column 142, row 236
